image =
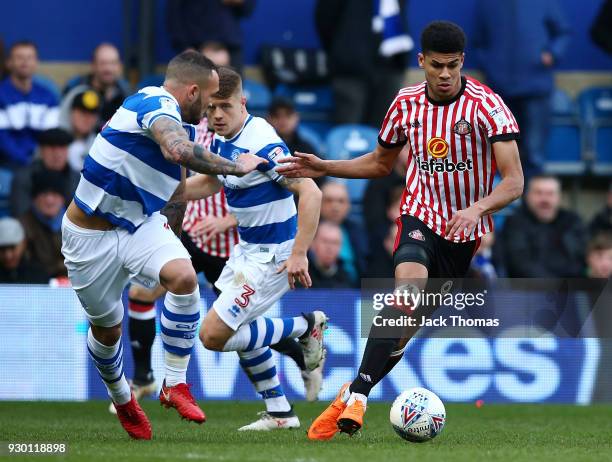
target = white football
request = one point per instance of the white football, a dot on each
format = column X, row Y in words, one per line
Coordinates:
column 417, row 415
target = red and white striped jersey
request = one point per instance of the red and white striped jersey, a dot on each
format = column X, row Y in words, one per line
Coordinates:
column 216, row 205
column 451, row 163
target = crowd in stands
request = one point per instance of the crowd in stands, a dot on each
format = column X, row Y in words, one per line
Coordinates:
column 44, row 140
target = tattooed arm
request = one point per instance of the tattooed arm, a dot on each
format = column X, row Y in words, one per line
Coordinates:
column 174, row 210
column 309, row 208
column 177, row 148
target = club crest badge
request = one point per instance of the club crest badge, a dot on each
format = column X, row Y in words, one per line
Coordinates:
column 462, row 127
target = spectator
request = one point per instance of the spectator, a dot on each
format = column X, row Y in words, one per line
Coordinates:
column 53, row 151
column 285, row 120
column 216, row 52
column 105, row 78
column 43, row 222
column 81, row 119
column 541, row 239
column 379, row 194
column 326, row 269
column 26, row 107
column 367, row 52
column 335, row 207
column 602, row 222
column 192, row 23
column 380, row 263
column 15, row 265
column 519, row 43
column 599, row 256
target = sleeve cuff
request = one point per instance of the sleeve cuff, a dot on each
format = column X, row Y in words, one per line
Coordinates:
column 504, row 137
column 386, row 145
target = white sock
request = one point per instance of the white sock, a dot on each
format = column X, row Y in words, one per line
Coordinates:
column 176, row 368
column 357, row 397
column 263, row 332
column 109, row 362
column 260, row 367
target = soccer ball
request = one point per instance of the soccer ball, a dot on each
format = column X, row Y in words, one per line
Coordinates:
column 417, row 415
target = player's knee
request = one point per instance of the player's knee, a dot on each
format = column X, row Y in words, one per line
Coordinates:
column 184, row 281
column 210, row 340
column 107, row 335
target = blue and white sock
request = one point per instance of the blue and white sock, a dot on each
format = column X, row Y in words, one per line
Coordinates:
column 179, row 324
column 263, row 332
column 261, row 370
column 109, row 362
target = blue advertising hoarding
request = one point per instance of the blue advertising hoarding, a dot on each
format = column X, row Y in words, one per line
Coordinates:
column 43, row 356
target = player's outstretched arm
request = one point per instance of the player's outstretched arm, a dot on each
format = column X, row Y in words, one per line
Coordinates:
column 509, row 189
column 177, row 148
column 371, row 165
column 309, row 208
column 201, row 186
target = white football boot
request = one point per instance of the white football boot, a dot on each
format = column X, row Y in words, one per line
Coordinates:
column 313, row 380
column 312, row 342
column 267, row 422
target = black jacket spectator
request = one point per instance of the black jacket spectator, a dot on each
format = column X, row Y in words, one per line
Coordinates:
column 16, row 267
column 53, row 153
column 333, row 277
column 192, row 23
column 533, row 249
column 376, row 200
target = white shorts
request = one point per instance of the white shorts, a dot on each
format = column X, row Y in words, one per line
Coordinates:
column 248, row 289
column 101, row 263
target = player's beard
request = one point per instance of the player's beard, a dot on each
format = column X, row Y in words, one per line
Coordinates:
column 193, row 114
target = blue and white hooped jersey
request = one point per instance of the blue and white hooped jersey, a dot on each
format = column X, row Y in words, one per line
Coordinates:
column 125, row 177
column 265, row 210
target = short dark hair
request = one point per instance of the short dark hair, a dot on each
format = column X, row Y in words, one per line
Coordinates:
column 601, row 242
column 281, row 104
column 190, row 66
column 443, row 37
column 543, row 176
column 229, row 82
column 22, row 43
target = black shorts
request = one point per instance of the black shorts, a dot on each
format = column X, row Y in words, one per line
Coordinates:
column 210, row 265
column 415, row 242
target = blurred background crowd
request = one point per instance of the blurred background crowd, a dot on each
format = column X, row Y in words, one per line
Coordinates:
column 329, row 100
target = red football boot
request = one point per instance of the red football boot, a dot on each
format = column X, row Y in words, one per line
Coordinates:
column 134, row 420
column 180, row 398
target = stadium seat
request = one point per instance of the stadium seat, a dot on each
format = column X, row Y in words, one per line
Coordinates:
column 596, row 113
column 49, row 84
column 314, row 103
column 347, row 142
column 150, row 80
column 564, row 149
column 312, row 136
column 258, row 97
column 6, row 178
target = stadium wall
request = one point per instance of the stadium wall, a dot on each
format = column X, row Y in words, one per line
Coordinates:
column 43, row 357
column 70, row 34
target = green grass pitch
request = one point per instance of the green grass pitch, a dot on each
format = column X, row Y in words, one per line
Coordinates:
column 495, row 433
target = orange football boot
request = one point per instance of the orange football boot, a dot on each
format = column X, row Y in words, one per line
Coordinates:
column 325, row 426
column 351, row 419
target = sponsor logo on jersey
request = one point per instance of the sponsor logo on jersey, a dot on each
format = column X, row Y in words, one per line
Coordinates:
column 444, row 166
column 417, row 235
column 415, row 123
column 463, row 127
column 275, row 152
column 167, row 103
column 437, row 147
column 235, row 154
column 499, row 116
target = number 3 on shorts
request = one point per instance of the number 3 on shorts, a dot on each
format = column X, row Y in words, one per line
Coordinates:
column 243, row 301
